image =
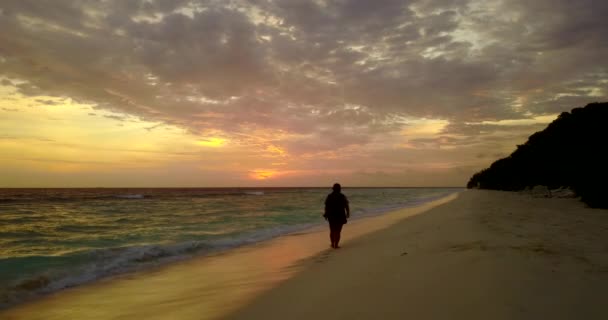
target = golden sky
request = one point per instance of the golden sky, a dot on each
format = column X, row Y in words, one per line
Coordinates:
column 285, row 93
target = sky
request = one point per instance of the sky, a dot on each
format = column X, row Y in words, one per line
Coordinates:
column 159, row 93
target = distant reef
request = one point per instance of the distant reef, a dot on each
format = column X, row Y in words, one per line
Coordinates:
column 572, row 152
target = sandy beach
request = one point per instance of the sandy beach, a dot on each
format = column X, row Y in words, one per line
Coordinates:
column 485, row 255
column 474, row 255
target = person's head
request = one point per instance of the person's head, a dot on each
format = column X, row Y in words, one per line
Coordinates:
column 337, row 187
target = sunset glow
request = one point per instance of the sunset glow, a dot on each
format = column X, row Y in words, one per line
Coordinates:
column 272, row 93
column 263, row 174
column 212, row 142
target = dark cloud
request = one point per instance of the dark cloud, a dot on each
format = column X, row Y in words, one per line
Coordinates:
column 47, row 102
column 115, row 117
column 333, row 73
column 153, row 127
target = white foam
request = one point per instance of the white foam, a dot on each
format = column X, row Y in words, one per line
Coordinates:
column 129, row 196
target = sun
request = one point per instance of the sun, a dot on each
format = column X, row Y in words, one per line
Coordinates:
column 262, row 174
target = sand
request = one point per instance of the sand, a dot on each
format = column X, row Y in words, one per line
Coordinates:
column 482, row 255
column 485, row 255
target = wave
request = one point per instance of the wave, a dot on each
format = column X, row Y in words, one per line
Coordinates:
column 82, row 267
column 129, row 196
column 254, row 193
column 66, row 198
column 407, row 203
column 69, row 195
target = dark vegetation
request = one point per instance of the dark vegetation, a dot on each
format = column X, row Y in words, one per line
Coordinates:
column 571, row 152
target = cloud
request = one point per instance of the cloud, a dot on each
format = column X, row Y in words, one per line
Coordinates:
column 26, row 138
column 150, row 128
column 115, row 117
column 323, row 75
column 47, row 102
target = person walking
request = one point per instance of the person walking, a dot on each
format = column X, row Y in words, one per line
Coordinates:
column 336, row 213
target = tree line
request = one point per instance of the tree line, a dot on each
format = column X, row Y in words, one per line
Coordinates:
column 571, row 152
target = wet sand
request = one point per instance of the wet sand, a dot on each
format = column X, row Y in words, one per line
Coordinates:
column 210, row 287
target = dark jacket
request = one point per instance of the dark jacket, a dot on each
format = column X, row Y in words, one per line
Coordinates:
column 336, row 205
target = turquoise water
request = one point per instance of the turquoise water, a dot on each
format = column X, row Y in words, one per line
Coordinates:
column 56, row 238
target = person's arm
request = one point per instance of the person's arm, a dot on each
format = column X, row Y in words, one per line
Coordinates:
column 347, row 208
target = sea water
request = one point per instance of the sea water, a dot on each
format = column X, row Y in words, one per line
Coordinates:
column 52, row 239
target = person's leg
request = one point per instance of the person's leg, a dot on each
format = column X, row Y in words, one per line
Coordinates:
column 332, row 234
column 337, row 232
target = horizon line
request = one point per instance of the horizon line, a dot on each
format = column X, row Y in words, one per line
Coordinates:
column 240, row 187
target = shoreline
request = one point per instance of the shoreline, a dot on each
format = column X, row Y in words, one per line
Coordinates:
column 485, row 255
column 477, row 254
column 94, row 265
column 167, row 287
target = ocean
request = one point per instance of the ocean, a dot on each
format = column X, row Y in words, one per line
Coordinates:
column 51, row 239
